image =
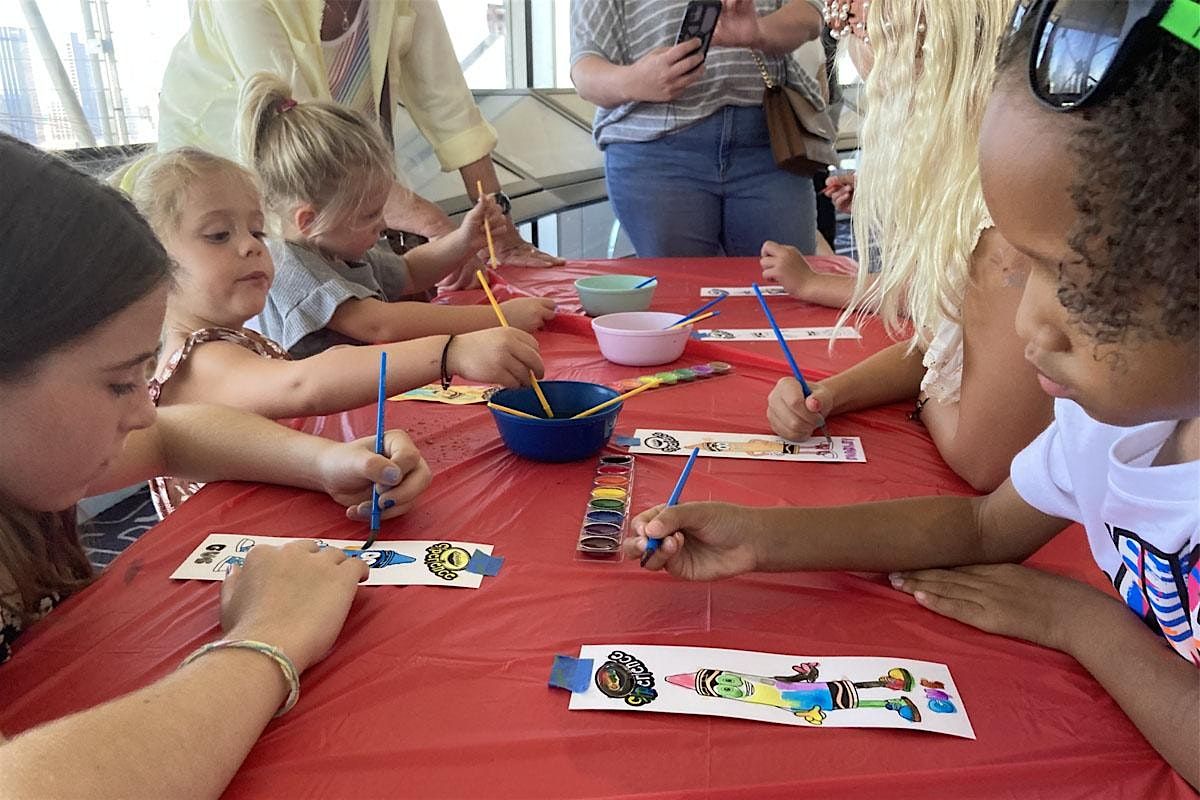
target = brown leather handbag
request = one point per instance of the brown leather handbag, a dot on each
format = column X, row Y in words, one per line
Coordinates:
column 801, row 136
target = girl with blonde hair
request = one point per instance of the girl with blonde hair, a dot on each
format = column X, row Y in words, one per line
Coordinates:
column 206, row 211
column 325, row 173
column 935, row 265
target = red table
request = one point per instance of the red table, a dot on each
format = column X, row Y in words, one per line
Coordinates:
column 436, row 692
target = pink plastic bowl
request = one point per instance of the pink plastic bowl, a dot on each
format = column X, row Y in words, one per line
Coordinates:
column 637, row 338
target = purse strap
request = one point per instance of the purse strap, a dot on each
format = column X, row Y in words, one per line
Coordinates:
column 762, row 69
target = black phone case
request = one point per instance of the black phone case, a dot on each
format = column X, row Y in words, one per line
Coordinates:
column 699, row 22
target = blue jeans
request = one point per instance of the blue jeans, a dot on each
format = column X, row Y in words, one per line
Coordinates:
column 709, row 189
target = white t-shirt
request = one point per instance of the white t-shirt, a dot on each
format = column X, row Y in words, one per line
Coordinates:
column 1143, row 522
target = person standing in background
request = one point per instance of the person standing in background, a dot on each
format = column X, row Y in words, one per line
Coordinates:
column 686, row 151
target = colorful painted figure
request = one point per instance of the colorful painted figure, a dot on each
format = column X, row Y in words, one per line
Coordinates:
column 445, row 560
column 376, row 559
column 801, row 693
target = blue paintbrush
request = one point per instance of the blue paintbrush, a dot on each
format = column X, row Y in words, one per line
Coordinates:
column 700, row 310
column 762, row 301
column 646, row 282
column 378, row 448
column 652, row 544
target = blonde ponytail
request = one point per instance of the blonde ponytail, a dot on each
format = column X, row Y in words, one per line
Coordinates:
column 310, row 152
column 918, row 205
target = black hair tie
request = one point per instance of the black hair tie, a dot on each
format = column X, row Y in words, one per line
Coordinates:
column 446, row 376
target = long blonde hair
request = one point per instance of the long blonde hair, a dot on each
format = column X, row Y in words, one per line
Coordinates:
column 162, row 185
column 310, row 152
column 918, row 205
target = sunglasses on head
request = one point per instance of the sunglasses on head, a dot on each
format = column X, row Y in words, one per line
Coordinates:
column 1079, row 45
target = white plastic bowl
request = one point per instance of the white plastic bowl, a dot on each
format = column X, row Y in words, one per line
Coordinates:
column 637, row 338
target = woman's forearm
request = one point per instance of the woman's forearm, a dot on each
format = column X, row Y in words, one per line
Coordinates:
column 144, row 744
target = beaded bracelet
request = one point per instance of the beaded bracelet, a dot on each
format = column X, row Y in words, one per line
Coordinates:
column 274, row 653
column 446, row 376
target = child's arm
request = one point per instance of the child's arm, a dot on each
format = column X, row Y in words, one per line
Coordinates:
column 786, row 266
column 1158, row 690
column 371, row 320
column 1001, row 408
column 886, row 377
column 208, row 443
column 703, row 541
column 429, row 263
column 346, row 377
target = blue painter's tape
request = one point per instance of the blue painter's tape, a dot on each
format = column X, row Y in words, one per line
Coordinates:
column 483, row 564
column 627, row 441
column 572, row 674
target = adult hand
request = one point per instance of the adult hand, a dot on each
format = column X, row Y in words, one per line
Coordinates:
column 348, row 472
column 840, row 189
column 513, row 251
column 738, row 25
column 1007, row 599
column 294, row 597
column 794, row 416
column 699, row 541
column 528, row 313
column 665, row 73
column 786, row 266
column 496, row 355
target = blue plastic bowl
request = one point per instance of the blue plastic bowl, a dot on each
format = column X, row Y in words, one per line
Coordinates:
column 561, row 438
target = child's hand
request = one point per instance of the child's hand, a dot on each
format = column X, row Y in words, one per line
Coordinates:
column 700, row 541
column 786, row 266
column 471, row 237
column 794, row 416
column 294, row 597
column 528, row 313
column 349, row 470
column 840, row 189
column 1007, row 599
column 496, row 355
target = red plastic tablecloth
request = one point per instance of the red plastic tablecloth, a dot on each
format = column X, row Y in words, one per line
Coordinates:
column 438, row 692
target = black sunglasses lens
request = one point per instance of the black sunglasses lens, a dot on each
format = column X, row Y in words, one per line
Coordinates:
column 1078, row 43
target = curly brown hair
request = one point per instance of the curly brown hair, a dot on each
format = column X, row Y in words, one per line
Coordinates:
column 1136, row 193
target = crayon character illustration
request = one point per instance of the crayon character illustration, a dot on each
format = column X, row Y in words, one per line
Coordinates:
column 716, row 334
column 801, row 693
column 445, row 560
column 763, row 447
column 378, row 559
column 626, row 677
column 662, row 441
column 455, row 395
column 244, row 545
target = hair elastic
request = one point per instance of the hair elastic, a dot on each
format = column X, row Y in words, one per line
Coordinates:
column 274, row 653
column 286, row 104
column 446, row 376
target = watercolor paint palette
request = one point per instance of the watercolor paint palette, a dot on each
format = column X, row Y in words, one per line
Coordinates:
column 676, row 376
column 606, row 518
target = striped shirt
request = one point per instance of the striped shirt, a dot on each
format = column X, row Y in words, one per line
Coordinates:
column 348, row 65
column 622, row 31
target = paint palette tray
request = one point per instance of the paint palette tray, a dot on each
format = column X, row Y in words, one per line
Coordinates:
column 607, row 516
column 676, row 376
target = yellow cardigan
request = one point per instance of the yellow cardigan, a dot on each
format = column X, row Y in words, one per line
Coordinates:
column 230, row 40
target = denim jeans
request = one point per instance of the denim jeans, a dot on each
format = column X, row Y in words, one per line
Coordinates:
column 709, row 189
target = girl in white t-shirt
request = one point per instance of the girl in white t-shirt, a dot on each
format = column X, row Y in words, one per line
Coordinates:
column 1103, row 202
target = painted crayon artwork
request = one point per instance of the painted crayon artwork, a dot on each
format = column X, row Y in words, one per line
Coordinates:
column 766, row 334
column 748, row 445
column 454, row 396
column 392, row 563
column 806, row 691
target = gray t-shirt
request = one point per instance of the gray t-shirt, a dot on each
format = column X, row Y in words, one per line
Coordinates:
column 622, row 31
column 309, row 287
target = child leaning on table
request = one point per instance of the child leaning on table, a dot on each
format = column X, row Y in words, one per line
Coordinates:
column 326, row 172
column 83, row 286
column 206, row 211
column 1103, row 201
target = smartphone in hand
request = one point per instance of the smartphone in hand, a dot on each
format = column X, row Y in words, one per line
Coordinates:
column 699, row 22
